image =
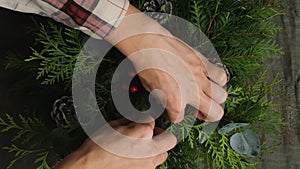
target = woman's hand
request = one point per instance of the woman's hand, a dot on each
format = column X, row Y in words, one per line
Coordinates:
column 92, row 156
column 181, row 73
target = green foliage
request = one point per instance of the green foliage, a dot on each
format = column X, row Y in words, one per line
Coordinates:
column 241, row 31
column 20, row 153
column 34, row 139
column 13, row 61
column 189, row 132
column 60, row 48
column 249, row 102
column 181, row 157
column 197, row 16
column 29, row 133
column 138, row 3
column 220, row 154
column 27, row 128
column 42, row 159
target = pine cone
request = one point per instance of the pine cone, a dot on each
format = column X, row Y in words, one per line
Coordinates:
column 62, row 112
column 153, row 8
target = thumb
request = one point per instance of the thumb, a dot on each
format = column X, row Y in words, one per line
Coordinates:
column 159, row 159
column 217, row 74
column 163, row 140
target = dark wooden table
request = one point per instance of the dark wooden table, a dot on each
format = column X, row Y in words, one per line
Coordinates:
column 287, row 155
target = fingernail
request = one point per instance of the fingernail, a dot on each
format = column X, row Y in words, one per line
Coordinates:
column 215, row 114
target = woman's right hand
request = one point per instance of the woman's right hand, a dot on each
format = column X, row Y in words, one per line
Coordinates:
column 91, row 156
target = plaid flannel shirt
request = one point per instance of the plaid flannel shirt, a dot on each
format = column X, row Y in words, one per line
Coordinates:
column 94, row 17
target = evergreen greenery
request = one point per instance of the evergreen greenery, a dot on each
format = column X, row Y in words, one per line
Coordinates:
column 58, row 54
column 241, row 31
column 29, row 130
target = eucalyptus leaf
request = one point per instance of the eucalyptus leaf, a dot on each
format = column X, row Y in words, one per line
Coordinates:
column 246, row 143
column 238, row 143
column 231, row 126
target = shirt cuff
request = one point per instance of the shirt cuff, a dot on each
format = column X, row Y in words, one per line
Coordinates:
column 97, row 18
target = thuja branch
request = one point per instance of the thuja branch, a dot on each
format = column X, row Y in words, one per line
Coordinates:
column 27, row 128
column 21, row 153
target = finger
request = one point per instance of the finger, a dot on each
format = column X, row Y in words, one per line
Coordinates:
column 217, row 74
column 215, row 92
column 209, row 91
column 200, row 115
column 164, row 141
column 175, row 116
column 144, row 118
column 150, row 124
column 209, row 110
column 159, row 159
column 158, row 131
column 119, row 122
column 140, row 130
column 175, row 109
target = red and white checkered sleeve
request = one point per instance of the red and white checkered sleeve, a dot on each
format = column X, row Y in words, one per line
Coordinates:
column 97, row 18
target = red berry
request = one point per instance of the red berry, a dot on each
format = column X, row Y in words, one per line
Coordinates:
column 133, row 89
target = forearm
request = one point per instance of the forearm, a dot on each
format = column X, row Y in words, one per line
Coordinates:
column 137, row 31
column 85, row 158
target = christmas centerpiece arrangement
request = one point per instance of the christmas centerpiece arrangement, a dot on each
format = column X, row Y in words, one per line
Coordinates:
column 242, row 33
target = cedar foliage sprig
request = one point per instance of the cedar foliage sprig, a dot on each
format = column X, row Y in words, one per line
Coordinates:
column 41, row 156
column 27, row 128
column 60, row 48
column 241, row 31
column 30, row 135
column 222, row 156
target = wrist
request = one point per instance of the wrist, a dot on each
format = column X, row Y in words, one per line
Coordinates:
column 136, row 31
column 68, row 162
column 76, row 160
